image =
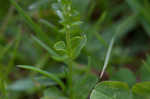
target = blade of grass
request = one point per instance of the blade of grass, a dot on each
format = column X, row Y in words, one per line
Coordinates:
column 91, row 9
column 136, row 6
column 6, row 21
column 120, row 30
column 14, row 53
column 107, row 57
column 5, row 50
column 125, row 25
column 97, row 27
column 45, row 73
column 3, row 89
column 51, row 26
column 101, row 19
column 35, row 27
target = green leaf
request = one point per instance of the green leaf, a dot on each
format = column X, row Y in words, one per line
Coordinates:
column 144, row 74
column 77, row 44
column 144, row 70
column 124, row 75
column 83, row 84
column 22, row 85
column 111, row 90
column 53, row 93
column 141, row 90
column 60, row 46
column 53, row 54
column 47, row 74
column 28, row 84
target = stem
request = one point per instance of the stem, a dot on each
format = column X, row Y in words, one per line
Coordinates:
column 68, row 40
column 70, row 83
column 70, row 64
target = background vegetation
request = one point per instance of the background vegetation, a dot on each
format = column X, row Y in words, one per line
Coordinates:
column 34, row 45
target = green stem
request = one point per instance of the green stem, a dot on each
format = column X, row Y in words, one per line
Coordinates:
column 68, row 41
column 70, row 64
column 70, row 83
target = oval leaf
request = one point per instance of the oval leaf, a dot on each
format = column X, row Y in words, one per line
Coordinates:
column 111, row 90
column 60, row 46
column 78, row 43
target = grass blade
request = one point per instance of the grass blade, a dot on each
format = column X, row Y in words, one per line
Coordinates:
column 107, row 57
column 3, row 89
column 5, row 50
column 135, row 5
column 51, row 26
column 47, row 74
column 35, row 27
column 14, row 53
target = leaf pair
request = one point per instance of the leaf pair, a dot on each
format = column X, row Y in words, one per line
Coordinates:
column 69, row 17
column 77, row 44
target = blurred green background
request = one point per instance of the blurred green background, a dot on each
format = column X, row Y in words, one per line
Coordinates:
column 129, row 61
